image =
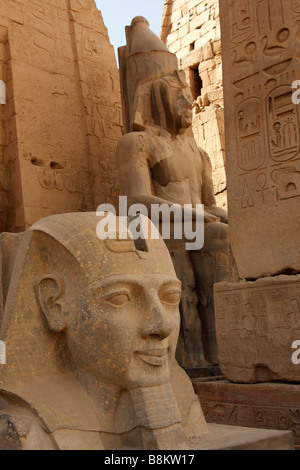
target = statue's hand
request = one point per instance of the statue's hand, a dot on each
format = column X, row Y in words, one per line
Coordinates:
column 219, row 213
column 209, row 218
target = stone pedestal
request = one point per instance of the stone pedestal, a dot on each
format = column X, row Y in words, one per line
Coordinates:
column 257, row 324
column 267, row 406
column 222, row 437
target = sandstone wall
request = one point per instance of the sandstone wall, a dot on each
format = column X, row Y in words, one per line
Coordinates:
column 62, row 120
column 191, row 29
column 261, row 46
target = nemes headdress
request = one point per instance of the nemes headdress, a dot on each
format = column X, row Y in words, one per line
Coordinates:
column 40, row 377
column 144, row 59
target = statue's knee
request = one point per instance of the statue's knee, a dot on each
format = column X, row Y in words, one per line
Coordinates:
column 216, row 237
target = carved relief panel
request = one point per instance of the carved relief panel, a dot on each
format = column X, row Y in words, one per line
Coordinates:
column 261, row 45
column 61, row 122
column 257, row 323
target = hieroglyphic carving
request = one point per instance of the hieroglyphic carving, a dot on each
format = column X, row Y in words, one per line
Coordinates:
column 267, row 406
column 296, row 6
column 74, row 181
column 250, row 131
column 261, row 46
column 63, row 114
column 100, row 93
column 288, row 182
column 252, row 416
column 280, row 114
column 241, row 19
column 271, row 34
column 77, row 181
column 257, row 323
column 283, row 121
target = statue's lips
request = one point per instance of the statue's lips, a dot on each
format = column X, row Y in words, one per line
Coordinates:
column 155, row 357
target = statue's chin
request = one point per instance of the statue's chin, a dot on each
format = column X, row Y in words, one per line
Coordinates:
column 147, row 372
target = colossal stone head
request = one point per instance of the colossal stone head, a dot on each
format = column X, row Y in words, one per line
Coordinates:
column 104, row 315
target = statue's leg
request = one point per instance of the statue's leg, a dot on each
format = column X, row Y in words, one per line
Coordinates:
column 214, row 263
column 190, row 353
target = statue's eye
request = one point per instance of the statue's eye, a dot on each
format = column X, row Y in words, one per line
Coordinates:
column 171, row 298
column 118, row 300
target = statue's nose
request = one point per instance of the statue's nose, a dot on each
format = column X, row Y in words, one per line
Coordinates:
column 158, row 322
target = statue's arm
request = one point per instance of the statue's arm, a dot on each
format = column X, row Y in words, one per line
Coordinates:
column 208, row 195
column 132, row 158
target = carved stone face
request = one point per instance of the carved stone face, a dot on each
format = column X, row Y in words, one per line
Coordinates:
column 172, row 103
column 184, row 105
column 125, row 327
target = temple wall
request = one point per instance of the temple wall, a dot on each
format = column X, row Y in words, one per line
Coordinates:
column 62, row 119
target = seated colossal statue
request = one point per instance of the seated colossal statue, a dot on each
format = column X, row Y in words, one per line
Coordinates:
column 160, row 163
column 90, row 327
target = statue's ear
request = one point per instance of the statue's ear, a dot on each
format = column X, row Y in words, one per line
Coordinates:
column 50, row 291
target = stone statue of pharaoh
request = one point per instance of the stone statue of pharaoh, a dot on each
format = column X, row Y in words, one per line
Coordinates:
column 90, row 328
column 160, row 163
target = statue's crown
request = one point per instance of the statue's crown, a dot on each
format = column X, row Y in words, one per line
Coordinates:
column 140, row 38
column 143, row 59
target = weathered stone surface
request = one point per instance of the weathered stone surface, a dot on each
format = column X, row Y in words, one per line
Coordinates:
column 62, row 118
column 260, row 43
column 257, row 324
column 91, row 329
column 268, row 406
column 191, row 30
column 160, row 164
column 222, row 437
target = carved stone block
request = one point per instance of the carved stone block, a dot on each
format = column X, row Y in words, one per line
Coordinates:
column 257, row 324
column 261, row 52
column 260, row 406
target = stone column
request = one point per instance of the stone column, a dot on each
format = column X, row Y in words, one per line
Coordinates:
column 258, row 321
